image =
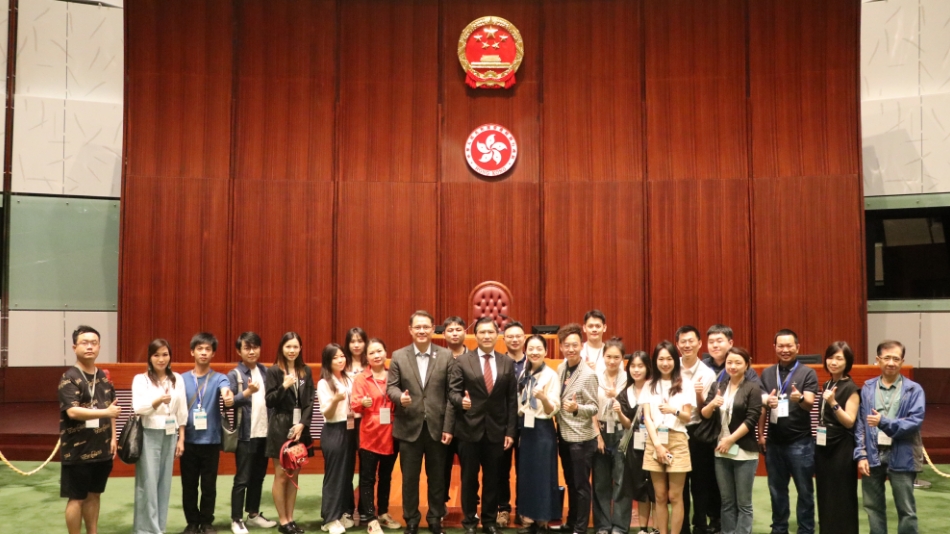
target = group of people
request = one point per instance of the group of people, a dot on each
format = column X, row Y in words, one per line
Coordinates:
column 668, row 430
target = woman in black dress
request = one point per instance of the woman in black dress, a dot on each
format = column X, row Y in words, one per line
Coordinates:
column 836, row 472
column 636, row 481
column 288, row 392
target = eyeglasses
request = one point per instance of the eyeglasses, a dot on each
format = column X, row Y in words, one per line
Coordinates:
column 421, row 328
column 87, row 343
column 571, row 345
column 890, row 359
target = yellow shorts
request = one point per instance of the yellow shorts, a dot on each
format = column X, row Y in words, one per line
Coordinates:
column 678, row 447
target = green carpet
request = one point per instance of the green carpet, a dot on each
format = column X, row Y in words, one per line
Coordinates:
column 33, row 504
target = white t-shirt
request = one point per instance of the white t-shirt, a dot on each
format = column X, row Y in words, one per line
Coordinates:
column 605, row 413
column 258, row 405
column 325, row 395
column 699, row 372
column 686, row 397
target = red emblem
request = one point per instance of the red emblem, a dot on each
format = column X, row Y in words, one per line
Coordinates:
column 490, row 50
column 491, row 150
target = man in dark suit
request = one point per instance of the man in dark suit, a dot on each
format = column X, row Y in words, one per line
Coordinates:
column 483, row 390
column 424, row 419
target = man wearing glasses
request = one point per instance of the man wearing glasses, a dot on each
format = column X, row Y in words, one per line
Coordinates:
column 514, row 342
column 887, row 440
column 424, row 420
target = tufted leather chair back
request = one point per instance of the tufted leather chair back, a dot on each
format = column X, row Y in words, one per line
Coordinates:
column 491, row 299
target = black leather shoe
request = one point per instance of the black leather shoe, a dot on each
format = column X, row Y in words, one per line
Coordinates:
column 436, row 528
column 411, row 529
column 491, row 528
column 469, row 530
column 296, row 527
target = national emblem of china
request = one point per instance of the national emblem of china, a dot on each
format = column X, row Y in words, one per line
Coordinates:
column 491, row 150
column 490, row 50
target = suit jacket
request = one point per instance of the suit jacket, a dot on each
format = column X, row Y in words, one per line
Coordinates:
column 430, row 402
column 493, row 415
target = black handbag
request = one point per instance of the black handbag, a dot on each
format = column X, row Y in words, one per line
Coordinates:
column 708, row 430
column 130, row 441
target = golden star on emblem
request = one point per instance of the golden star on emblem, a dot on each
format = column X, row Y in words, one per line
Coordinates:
column 490, row 32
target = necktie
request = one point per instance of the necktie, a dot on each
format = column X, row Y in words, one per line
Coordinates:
column 489, row 381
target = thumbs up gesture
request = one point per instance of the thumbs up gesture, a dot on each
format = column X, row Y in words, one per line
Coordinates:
column 367, row 401
column 796, row 395
column 571, row 405
column 829, row 394
column 773, row 400
column 718, row 400
column 405, row 399
column 874, row 418
column 466, row 401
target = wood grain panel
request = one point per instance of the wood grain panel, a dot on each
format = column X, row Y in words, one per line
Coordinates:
column 286, row 88
column 696, row 90
column 808, row 260
column 517, row 109
column 592, row 105
column 387, row 257
column 594, row 256
column 700, row 257
column 804, row 87
column 389, row 90
column 174, row 263
column 491, row 232
column 282, row 263
column 178, row 67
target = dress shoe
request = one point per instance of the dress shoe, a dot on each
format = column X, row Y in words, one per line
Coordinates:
column 436, row 528
column 469, row 530
column 492, row 528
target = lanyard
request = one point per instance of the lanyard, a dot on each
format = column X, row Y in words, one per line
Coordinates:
column 381, row 394
column 90, row 387
column 828, row 385
column 895, row 393
column 788, row 379
column 201, row 392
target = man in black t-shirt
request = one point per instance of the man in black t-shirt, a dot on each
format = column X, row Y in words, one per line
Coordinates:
column 87, row 432
column 790, row 388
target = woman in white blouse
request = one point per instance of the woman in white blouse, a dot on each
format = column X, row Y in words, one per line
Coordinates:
column 667, row 404
column 333, row 391
column 612, row 510
column 539, row 394
column 158, row 396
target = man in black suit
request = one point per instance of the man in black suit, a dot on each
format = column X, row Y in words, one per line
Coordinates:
column 424, row 419
column 482, row 388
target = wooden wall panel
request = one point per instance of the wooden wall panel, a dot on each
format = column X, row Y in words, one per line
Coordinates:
column 803, row 61
column 696, row 90
column 700, row 255
column 178, row 64
column 389, row 91
column 284, row 106
column 517, row 109
column 592, row 105
column 490, row 232
column 387, row 257
column 808, row 261
column 594, row 256
column 282, row 263
column 174, row 263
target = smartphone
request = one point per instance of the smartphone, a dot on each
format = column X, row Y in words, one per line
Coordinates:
column 290, row 433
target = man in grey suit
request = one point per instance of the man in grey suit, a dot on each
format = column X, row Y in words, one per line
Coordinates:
column 424, row 419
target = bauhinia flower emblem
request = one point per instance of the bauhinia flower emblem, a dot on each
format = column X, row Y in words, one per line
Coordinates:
column 491, row 150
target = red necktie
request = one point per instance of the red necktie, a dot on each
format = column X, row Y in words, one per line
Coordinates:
column 489, row 381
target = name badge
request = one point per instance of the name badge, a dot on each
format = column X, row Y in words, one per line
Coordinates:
column 883, row 439
column 610, row 427
column 201, row 420
column 822, row 437
column 350, row 422
column 385, row 416
column 663, row 435
column 529, row 419
column 734, row 450
column 171, row 424
column 92, row 423
column 296, row 416
column 640, row 438
column 783, row 408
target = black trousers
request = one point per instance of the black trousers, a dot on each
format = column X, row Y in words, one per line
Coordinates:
column 251, row 465
column 337, row 480
column 702, row 486
column 576, row 461
column 353, row 441
column 486, row 456
column 451, row 451
column 372, row 463
column 199, row 466
column 504, row 483
column 411, row 454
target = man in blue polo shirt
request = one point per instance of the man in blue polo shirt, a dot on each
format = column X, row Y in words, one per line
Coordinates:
column 199, row 462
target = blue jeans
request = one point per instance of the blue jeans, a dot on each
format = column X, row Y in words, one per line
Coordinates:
column 902, row 487
column 612, row 510
column 796, row 461
column 735, row 479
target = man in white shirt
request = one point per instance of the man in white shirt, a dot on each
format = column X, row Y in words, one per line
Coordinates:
column 247, row 384
column 701, row 482
column 595, row 326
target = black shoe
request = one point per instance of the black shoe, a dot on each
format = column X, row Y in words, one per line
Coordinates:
column 208, row 529
column 287, row 528
column 413, row 529
column 296, row 527
column 469, row 530
column 436, row 528
column 191, row 529
column 491, row 528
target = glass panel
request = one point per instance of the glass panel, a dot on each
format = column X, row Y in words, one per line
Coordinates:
column 64, row 253
column 908, row 256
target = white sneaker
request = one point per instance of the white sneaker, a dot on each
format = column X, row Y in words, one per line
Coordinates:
column 336, row 527
column 260, row 521
column 237, row 527
column 347, row 521
column 387, row 521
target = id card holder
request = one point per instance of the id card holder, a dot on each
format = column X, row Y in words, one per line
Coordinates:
column 883, row 439
column 92, row 423
column 821, row 438
column 385, row 416
column 640, row 438
column 783, row 408
column 350, row 422
column 773, row 415
column 733, row 451
column 296, row 416
column 201, row 420
column 529, row 419
column 610, row 427
column 663, row 435
column 171, row 425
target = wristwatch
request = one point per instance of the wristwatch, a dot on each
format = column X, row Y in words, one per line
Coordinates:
column 677, row 413
column 836, row 407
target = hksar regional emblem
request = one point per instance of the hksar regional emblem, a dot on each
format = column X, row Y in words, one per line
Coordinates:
column 491, row 150
column 490, row 50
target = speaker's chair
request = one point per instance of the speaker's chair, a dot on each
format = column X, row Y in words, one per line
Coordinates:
column 491, row 299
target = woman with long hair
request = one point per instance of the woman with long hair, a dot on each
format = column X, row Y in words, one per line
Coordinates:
column 737, row 402
column 667, row 404
column 836, row 485
column 333, row 391
column 636, row 482
column 611, row 508
column 355, row 348
column 158, row 396
column 539, row 398
column 288, row 392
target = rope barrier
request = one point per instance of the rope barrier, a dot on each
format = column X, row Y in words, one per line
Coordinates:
column 48, row 460
column 932, row 466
